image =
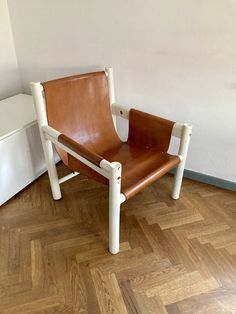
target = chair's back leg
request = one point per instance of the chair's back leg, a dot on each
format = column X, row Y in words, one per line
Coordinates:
column 37, row 92
column 114, row 207
column 183, row 150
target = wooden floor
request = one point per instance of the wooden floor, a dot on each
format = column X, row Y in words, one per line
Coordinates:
column 176, row 256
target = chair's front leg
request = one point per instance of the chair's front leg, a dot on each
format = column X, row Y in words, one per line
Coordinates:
column 52, row 171
column 183, row 150
column 37, row 92
column 114, row 207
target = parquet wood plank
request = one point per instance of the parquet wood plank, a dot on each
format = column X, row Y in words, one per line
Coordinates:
column 219, row 301
column 183, row 287
column 176, row 257
column 37, row 266
column 31, row 307
column 108, row 292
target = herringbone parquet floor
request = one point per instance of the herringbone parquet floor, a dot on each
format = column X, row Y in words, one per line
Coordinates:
column 176, row 256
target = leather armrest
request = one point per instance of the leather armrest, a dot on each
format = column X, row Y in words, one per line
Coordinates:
column 80, row 149
column 149, row 131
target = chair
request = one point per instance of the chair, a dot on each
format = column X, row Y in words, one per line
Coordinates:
column 75, row 114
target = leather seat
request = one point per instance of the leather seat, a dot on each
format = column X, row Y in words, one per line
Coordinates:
column 140, row 166
column 79, row 107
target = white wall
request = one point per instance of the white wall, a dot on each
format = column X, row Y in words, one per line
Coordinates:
column 173, row 58
column 10, row 83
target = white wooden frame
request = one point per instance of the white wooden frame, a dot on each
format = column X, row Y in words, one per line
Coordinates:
column 112, row 171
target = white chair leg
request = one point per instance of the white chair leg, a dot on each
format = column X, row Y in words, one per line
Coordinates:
column 114, row 207
column 52, row 171
column 178, row 180
column 37, row 92
column 183, row 150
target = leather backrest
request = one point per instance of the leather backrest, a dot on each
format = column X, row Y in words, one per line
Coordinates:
column 79, row 107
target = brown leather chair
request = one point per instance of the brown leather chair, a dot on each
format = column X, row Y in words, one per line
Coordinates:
column 75, row 113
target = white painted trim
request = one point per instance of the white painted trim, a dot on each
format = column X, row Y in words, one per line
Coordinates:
column 120, row 111
column 183, row 150
column 68, row 177
column 110, row 77
column 178, row 129
column 37, row 92
column 114, row 207
column 111, row 89
column 122, row 198
column 180, row 157
column 52, row 135
column 104, row 164
column 49, row 131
